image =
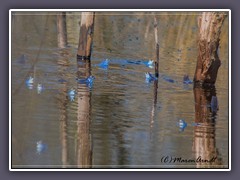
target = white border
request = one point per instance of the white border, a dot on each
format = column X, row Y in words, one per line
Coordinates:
column 10, row 93
column 117, row 10
column 230, row 89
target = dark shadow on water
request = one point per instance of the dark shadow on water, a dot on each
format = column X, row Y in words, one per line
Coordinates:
column 204, row 142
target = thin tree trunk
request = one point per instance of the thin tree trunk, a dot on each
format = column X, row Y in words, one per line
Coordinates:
column 86, row 35
column 62, row 30
column 156, row 66
column 156, row 62
column 208, row 62
column 84, row 151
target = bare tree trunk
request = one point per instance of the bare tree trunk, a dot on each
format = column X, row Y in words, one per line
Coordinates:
column 86, row 35
column 62, row 30
column 208, row 62
column 156, row 62
column 84, row 152
column 156, row 66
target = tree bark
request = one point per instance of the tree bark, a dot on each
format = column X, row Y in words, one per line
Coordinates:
column 156, row 62
column 86, row 35
column 208, row 61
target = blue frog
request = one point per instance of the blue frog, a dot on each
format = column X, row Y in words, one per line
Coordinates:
column 88, row 81
column 29, row 82
column 150, row 77
column 104, row 64
column 40, row 88
column 71, row 94
column 149, row 64
column 186, row 80
column 182, row 125
column 40, row 147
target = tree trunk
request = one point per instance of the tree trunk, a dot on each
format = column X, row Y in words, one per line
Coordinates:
column 84, row 152
column 156, row 66
column 156, row 62
column 62, row 30
column 86, row 36
column 208, row 62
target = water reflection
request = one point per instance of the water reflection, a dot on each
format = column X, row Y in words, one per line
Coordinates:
column 153, row 113
column 82, row 156
column 84, row 144
column 63, row 101
column 204, row 144
column 62, row 30
column 120, row 111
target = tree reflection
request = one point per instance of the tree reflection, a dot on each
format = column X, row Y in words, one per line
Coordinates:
column 62, row 67
column 84, row 148
column 62, row 30
column 155, row 92
column 204, row 144
column 63, row 101
column 84, row 145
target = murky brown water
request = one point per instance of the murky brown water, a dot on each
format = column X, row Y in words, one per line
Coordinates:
column 115, row 123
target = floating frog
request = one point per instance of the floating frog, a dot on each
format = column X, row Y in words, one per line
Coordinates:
column 182, row 125
column 104, row 64
column 39, row 88
column 186, row 80
column 40, row 147
column 149, row 64
column 71, row 94
column 150, row 77
column 88, row 81
column 29, row 82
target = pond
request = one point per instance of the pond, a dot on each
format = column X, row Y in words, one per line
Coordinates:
column 119, row 120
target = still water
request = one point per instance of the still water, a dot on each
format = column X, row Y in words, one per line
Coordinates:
column 121, row 121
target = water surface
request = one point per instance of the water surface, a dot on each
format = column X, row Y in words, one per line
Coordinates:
column 122, row 121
